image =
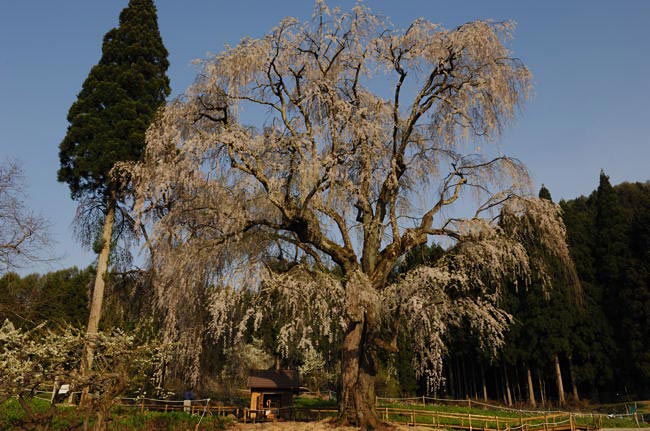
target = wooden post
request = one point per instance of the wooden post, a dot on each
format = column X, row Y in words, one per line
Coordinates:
column 413, row 416
column 469, row 421
column 497, row 421
column 572, row 423
column 142, row 406
column 55, row 389
column 545, row 422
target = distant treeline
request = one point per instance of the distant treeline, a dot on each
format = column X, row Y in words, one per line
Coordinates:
column 61, row 297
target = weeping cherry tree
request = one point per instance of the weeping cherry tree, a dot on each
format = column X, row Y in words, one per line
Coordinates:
column 369, row 141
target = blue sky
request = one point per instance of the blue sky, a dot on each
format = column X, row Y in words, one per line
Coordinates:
column 590, row 61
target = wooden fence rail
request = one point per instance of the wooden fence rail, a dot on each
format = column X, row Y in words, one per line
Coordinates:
column 412, row 416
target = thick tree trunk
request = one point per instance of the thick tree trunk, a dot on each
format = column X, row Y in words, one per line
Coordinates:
column 357, row 403
column 531, row 389
column 98, row 296
column 558, row 378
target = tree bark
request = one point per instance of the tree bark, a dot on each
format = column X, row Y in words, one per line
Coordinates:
column 472, row 370
column 517, row 387
column 357, row 403
column 506, row 381
column 574, row 386
column 531, row 389
column 98, row 296
column 450, row 367
column 459, row 378
column 464, row 381
column 484, row 385
column 558, row 377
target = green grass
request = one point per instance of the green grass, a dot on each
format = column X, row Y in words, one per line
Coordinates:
column 127, row 419
column 314, row 403
column 586, row 420
column 12, row 416
column 171, row 421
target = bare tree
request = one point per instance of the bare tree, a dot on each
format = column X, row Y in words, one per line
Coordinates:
column 375, row 140
column 23, row 234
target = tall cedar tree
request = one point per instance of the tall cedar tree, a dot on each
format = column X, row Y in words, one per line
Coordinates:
column 610, row 257
column 108, row 122
column 593, row 344
column 621, row 246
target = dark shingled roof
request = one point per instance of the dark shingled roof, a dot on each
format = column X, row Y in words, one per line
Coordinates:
column 273, row 379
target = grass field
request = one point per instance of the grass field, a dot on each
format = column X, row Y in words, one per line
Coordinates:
column 582, row 419
column 66, row 418
column 12, row 416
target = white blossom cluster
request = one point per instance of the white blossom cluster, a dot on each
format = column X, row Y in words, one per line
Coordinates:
column 32, row 360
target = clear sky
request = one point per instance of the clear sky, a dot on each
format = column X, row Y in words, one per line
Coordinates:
column 590, row 60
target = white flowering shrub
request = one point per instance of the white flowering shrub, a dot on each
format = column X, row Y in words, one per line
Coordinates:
column 33, row 360
column 30, row 360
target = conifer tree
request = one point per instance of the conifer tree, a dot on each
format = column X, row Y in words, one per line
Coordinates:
column 108, row 122
column 593, row 345
column 621, row 253
column 610, row 254
column 544, row 193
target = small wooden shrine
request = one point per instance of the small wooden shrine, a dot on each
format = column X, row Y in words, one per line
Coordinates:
column 272, row 392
